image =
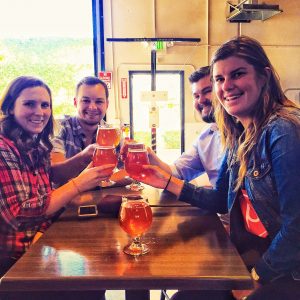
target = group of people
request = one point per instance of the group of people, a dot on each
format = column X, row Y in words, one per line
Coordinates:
column 250, row 152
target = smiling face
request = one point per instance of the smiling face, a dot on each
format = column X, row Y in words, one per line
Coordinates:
column 91, row 103
column 202, row 98
column 238, row 87
column 32, row 109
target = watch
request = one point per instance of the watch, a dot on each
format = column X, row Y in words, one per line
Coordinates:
column 254, row 275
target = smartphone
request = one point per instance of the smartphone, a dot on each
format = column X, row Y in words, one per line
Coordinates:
column 87, row 211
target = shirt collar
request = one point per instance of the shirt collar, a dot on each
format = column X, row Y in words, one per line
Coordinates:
column 213, row 127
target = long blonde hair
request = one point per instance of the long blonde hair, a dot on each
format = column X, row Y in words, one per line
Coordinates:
column 272, row 101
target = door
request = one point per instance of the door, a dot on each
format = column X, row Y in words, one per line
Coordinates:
column 169, row 113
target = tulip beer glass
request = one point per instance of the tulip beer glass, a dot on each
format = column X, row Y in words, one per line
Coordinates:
column 135, row 185
column 108, row 135
column 134, row 161
column 135, row 218
column 105, row 155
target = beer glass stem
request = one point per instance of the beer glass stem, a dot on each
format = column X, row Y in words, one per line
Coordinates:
column 135, row 186
column 136, row 247
column 137, row 242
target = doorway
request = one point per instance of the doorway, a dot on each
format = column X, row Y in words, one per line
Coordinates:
column 170, row 118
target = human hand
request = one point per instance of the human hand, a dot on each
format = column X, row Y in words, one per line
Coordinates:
column 91, row 176
column 153, row 158
column 155, row 176
column 87, row 152
column 124, row 148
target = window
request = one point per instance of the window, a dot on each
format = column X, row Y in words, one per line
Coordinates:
column 50, row 39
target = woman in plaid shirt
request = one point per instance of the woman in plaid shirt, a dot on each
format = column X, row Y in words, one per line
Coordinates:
column 27, row 201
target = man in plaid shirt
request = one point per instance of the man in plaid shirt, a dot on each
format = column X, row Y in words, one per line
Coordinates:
column 75, row 143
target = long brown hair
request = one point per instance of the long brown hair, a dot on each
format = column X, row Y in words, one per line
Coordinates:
column 12, row 130
column 272, row 101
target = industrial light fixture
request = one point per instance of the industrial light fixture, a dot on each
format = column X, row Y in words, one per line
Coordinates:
column 247, row 11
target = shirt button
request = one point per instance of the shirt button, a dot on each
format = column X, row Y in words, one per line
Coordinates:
column 255, row 173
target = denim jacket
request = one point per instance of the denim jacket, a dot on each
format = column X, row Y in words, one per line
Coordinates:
column 273, row 186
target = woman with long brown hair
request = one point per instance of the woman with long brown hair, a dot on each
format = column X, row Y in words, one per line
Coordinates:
column 27, row 201
column 259, row 181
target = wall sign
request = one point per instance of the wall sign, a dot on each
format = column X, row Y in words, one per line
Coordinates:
column 106, row 77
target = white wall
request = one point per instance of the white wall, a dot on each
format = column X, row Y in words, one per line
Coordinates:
column 205, row 19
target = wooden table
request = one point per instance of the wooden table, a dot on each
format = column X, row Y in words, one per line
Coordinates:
column 189, row 250
column 156, row 197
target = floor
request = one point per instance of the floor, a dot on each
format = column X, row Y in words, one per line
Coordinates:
column 120, row 295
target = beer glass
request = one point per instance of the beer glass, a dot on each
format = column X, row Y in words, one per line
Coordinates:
column 133, row 163
column 135, row 185
column 104, row 155
column 135, row 218
column 108, row 135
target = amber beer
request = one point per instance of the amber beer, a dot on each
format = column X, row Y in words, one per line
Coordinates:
column 135, row 217
column 108, row 136
column 131, row 145
column 105, row 155
column 134, row 161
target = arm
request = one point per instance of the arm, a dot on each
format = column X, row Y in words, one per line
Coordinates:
column 189, row 165
column 26, row 198
column 282, row 256
column 204, row 156
column 63, row 169
column 63, row 166
column 86, row 180
column 214, row 200
column 156, row 161
column 153, row 158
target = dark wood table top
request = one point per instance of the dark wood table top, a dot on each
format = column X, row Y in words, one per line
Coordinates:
column 156, row 197
column 189, row 250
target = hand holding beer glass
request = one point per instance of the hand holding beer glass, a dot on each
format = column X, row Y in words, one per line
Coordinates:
column 105, row 155
column 134, row 161
column 135, row 218
column 135, row 185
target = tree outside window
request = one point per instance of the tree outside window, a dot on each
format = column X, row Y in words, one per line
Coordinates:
column 50, row 39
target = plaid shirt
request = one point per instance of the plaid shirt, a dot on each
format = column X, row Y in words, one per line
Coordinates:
column 24, row 198
column 71, row 138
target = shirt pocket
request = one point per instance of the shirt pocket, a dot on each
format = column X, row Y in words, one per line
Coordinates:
column 260, row 171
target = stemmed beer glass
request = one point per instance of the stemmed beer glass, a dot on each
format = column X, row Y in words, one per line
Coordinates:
column 135, row 185
column 104, row 155
column 134, row 161
column 108, row 138
column 108, row 135
column 135, row 218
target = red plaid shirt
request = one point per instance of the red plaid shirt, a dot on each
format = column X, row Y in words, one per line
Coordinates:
column 24, row 198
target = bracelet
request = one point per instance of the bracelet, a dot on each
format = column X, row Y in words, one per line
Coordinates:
column 76, row 186
column 168, row 182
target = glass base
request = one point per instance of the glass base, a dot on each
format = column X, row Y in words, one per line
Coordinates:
column 135, row 186
column 136, row 249
column 106, row 183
